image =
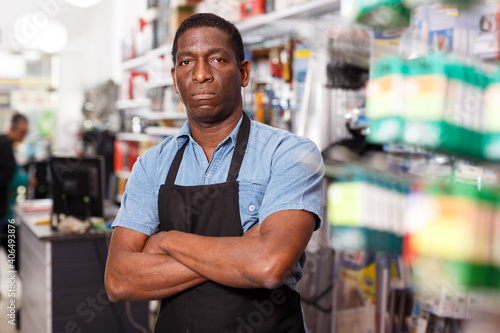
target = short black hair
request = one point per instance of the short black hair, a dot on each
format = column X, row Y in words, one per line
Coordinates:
column 211, row 20
column 17, row 118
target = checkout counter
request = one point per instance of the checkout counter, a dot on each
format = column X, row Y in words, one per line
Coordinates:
column 63, row 278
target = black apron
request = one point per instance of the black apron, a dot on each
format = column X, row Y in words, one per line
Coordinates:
column 213, row 210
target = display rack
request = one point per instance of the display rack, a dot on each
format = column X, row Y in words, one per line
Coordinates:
column 247, row 27
column 307, row 10
column 137, row 137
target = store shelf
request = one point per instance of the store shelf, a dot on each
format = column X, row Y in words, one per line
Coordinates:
column 164, row 50
column 144, row 59
column 136, row 137
column 307, row 9
column 152, row 115
column 135, row 62
column 162, row 131
column 160, row 83
column 133, row 104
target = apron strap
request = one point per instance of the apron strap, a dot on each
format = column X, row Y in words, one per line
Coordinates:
column 239, row 149
column 172, row 173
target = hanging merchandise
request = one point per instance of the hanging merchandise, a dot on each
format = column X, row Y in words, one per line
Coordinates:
column 458, row 3
column 356, row 294
column 458, row 229
column 491, row 120
column 380, row 14
column 452, row 243
column 385, row 100
column 342, row 75
column 447, row 230
column 278, row 82
column 435, row 102
column 349, row 57
column 301, row 65
column 365, row 210
column 425, row 87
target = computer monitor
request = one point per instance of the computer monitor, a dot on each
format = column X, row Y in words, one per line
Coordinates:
column 77, row 186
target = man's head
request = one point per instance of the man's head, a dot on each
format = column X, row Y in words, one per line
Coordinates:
column 214, row 21
column 18, row 128
column 208, row 73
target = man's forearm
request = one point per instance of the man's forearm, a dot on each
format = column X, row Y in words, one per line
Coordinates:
column 226, row 260
column 265, row 259
column 138, row 276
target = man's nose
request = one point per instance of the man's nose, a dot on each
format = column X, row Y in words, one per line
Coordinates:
column 202, row 72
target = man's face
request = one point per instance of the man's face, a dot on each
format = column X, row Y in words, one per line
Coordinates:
column 18, row 132
column 207, row 76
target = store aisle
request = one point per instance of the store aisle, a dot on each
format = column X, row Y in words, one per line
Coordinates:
column 5, row 327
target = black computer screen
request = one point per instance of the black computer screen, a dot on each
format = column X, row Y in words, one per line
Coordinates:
column 78, row 186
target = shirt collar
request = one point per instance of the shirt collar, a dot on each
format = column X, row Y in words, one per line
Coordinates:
column 185, row 134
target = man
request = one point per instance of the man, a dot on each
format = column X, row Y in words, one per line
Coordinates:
column 215, row 220
column 16, row 133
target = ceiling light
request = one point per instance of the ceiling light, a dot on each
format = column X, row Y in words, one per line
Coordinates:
column 52, row 38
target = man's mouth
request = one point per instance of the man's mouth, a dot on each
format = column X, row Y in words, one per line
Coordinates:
column 203, row 94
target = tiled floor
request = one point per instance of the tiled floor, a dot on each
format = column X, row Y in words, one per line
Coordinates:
column 5, row 327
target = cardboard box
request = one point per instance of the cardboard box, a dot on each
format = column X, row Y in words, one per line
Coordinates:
column 177, row 15
column 252, row 7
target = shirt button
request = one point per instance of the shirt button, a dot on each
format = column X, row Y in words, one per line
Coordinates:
column 251, row 208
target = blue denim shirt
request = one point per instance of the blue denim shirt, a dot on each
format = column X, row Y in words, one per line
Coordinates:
column 280, row 171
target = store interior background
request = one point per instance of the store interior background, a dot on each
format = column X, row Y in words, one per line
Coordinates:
column 91, row 56
column 97, row 40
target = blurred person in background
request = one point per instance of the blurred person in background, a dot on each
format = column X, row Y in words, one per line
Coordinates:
column 11, row 175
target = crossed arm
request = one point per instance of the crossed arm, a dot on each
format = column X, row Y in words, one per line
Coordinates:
column 144, row 268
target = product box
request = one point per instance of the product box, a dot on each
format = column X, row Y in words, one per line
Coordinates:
column 442, row 21
column 346, row 204
column 177, row 15
column 359, row 320
column 385, row 100
column 425, row 97
column 443, row 304
column 420, row 316
column 491, row 120
column 460, row 308
column 251, row 8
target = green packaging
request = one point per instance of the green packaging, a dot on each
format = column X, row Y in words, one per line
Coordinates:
column 380, row 14
column 425, row 99
column 490, row 145
column 385, row 100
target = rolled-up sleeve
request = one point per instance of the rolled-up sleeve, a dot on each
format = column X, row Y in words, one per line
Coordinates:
column 296, row 181
column 139, row 205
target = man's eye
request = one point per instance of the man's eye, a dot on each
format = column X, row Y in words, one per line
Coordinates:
column 219, row 60
column 184, row 63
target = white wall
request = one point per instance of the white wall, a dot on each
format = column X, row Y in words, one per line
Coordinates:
column 91, row 57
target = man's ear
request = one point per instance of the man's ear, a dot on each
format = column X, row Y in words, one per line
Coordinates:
column 245, row 73
column 173, row 78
